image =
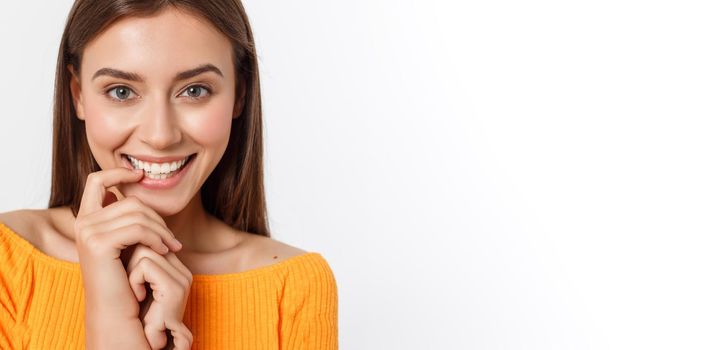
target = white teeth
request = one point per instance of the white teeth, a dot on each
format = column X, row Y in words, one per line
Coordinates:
column 158, row 170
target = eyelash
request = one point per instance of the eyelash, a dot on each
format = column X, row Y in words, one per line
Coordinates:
column 208, row 89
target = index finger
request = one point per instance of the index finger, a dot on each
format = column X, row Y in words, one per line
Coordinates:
column 97, row 183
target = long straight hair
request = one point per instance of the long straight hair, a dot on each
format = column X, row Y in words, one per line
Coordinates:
column 234, row 191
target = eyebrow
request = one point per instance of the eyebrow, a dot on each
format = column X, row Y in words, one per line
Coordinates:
column 136, row 77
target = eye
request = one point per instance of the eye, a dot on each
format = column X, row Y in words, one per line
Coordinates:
column 122, row 93
column 196, row 91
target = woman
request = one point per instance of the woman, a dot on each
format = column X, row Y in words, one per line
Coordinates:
column 155, row 234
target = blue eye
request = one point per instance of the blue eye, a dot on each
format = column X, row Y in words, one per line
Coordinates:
column 195, row 91
column 122, row 93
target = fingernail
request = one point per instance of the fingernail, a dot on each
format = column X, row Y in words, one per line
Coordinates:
column 177, row 243
column 137, row 171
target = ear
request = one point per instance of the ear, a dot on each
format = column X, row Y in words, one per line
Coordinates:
column 239, row 105
column 75, row 92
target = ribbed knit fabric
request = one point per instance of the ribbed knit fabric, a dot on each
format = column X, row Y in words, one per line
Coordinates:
column 291, row 304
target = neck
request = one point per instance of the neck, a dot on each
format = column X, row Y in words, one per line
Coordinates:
column 192, row 226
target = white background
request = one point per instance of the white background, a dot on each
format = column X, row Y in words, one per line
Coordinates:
column 479, row 175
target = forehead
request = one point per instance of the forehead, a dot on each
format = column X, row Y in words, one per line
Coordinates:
column 159, row 46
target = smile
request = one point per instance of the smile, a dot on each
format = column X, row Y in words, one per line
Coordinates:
column 159, row 170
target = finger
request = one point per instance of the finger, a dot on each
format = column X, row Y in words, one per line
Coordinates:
column 158, row 328
column 167, row 292
column 154, row 328
column 97, row 183
column 123, row 237
column 133, row 206
column 174, row 260
column 139, row 291
column 138, row 282
column 182, row 337
column 138, row 217
column 128, row 204
column 160, row 260
column 164, row 286
column 145, row 305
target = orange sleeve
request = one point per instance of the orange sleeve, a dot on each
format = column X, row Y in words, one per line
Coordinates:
column 12, row 259
column 308, row 315
column 7, row 313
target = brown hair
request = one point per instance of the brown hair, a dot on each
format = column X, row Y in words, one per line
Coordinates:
column 234, row 191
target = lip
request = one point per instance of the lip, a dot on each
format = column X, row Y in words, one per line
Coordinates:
column 162, row 184
column 158, row 159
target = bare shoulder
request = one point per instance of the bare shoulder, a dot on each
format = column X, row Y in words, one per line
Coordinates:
column 263, row 251
column 239, row 251
column 42, row 230
column 24, row 222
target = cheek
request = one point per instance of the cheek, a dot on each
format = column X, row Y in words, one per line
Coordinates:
column 211, row 126
column 105, row 131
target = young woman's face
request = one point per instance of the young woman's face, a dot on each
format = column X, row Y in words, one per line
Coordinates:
column 136, row 100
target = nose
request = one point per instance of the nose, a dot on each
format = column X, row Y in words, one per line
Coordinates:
column 159, row 128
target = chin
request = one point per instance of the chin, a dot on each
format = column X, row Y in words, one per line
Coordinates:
column 165, row 210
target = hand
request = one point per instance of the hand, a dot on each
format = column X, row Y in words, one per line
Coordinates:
column 101, row 233
column 170, row 284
